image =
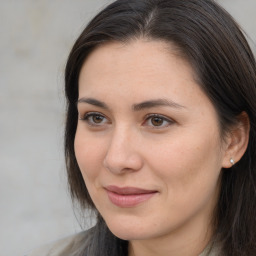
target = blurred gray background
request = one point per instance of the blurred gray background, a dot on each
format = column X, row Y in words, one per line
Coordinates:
column 35, row 39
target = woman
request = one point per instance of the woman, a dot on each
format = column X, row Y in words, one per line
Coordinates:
column 160, row 131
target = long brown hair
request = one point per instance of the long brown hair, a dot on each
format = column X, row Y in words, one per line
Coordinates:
column 212, row 42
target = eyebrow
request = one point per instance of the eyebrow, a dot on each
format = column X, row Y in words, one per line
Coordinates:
column 93, row 102
column 136, row 107
column 156, row 103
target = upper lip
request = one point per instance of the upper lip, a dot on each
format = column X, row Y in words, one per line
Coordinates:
column 128, row 190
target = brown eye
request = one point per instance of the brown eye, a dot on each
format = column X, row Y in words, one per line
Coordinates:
column 157, row 121
column 97, row 119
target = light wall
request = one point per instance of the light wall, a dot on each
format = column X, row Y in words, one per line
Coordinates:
column 35, row 39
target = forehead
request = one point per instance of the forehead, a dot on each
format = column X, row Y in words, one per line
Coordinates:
column 133, row 61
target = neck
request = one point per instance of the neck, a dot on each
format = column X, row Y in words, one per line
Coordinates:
column 191, row 241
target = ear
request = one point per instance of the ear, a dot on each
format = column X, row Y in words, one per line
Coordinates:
column 237, row 141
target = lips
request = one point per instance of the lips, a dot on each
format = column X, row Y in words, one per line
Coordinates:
column 128, row 196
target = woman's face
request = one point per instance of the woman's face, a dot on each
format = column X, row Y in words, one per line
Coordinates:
column 147, row 141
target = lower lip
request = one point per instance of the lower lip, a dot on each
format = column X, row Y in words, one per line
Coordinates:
column 127, row 201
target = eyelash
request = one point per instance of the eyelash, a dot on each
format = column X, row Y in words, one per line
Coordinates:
column 87, row 118
column 149, row 117
column 89, row 115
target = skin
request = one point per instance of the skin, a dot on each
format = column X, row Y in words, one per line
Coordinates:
column 180, row 155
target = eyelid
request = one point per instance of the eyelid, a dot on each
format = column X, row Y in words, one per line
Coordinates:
column 85, row 117
column 88, row 113
column 165, row 118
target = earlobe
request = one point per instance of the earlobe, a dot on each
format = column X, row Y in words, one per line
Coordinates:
column 237, row 141
column 232, row 161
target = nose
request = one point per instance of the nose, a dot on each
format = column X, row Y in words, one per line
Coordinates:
column 123, row 152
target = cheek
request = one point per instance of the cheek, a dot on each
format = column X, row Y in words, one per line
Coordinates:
column 88, row 155
column 189, row 163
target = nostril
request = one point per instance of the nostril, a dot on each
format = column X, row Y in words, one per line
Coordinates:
column 123, row 163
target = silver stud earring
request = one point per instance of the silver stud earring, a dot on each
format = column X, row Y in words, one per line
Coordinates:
column 232, row 161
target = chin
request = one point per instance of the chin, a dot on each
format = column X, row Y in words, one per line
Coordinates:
column 127, row 234
column 125, row 231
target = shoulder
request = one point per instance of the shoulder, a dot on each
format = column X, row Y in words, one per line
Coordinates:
column 213, row 249
column 69, row 246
